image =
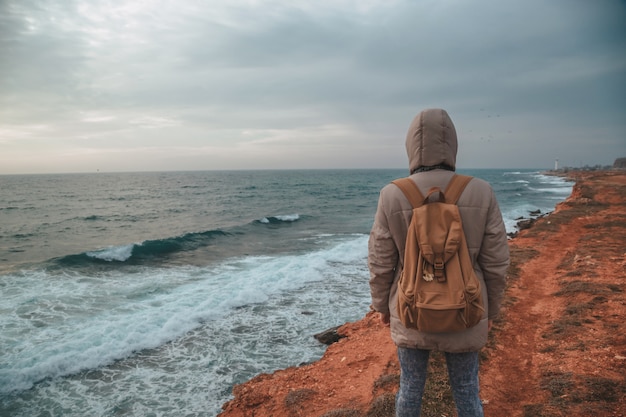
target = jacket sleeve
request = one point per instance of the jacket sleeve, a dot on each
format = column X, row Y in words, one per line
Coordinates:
column 382, row 259
column 494, row 257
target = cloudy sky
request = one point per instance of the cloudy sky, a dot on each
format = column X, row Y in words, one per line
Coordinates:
column 145, row 85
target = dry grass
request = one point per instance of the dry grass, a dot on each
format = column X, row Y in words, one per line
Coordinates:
column 295, row 399
column 437, row 400
column 343, row 412
column 519, row 256
column 383, row 406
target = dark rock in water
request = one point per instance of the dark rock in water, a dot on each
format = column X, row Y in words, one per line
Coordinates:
column 535, row 212
column 520, row 218
column 328, row 337
column 307, row 313
column 525, row 224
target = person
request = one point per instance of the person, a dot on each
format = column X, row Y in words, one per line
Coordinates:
column 431, row 145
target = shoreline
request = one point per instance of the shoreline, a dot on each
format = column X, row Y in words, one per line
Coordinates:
column 560, row 331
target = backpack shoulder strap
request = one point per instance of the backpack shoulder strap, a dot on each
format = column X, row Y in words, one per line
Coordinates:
column 455, row 187
column 411, row 191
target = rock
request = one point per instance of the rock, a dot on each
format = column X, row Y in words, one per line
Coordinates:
column 535, row 212
column 328, row 337
column 525, row 224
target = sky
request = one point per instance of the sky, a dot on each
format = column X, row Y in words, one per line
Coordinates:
column 162, row 85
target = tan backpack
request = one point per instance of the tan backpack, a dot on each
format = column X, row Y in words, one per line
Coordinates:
column 438, row 290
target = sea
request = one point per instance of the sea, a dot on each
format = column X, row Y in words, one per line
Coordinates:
column 153, row 294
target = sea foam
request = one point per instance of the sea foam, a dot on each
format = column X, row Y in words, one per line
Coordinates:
column 98, row 320
column 280, row 218
column 113, row 253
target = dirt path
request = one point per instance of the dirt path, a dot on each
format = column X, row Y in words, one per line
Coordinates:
column 558, row 350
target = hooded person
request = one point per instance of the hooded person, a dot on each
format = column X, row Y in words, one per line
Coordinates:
column 431, row 146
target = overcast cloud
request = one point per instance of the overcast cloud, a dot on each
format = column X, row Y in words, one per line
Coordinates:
column 138, row 85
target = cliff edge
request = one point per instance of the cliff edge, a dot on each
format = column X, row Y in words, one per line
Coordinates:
column 559, row 348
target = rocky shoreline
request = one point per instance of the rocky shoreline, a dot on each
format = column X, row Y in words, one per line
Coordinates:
column 559, row 348
column 524, row 223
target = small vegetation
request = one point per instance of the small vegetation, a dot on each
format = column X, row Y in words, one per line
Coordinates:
column 347, row 412
column 601, row 389
column 519, row 256
column 383, row 406
column 558, row 384
column 534, row 410
column 295, row 398
column 578, row 313
column 576, row 287
column 386, row 382
column 570, row 388
column 437, row 400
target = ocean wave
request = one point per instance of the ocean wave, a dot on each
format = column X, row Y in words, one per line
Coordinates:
column 551, row 179
column 92, row 217
column 88, row 323
column 513, row 187
column 521, row 173
column 151, row 251
column 286, row 218
column 114, row 253
column 147, row 250
column 23, row 235
column 565, row 190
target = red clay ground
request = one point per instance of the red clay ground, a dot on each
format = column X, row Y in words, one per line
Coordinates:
column 559, row 348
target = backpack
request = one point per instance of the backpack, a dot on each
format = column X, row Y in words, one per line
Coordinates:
column 438, row 290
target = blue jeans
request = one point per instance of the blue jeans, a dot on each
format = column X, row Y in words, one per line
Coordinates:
column 463, row 374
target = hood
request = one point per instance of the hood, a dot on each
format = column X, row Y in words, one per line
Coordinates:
column 431, row 140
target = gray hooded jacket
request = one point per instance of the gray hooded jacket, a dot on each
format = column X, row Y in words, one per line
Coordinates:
column 431, row 141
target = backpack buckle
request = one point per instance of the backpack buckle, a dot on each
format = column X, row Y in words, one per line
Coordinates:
column 438, row 269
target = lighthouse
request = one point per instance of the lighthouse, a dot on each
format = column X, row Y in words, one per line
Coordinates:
column 556, row 164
